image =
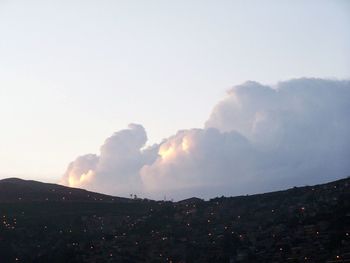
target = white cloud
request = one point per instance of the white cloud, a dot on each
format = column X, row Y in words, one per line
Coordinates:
column 116, row 169
column 258, row 138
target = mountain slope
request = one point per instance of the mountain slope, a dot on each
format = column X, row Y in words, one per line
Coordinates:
column 302, row 224
column 18, row 190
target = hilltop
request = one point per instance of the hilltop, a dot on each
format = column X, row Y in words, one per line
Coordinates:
column 19, row 190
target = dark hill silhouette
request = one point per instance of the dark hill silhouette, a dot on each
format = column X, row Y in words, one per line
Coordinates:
column 191, row 201
column 302, row 224
column 19, row 190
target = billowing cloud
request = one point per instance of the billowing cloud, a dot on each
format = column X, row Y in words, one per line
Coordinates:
column 200, row 160
column 258, row 138
column 117, row 167
column 81, row 172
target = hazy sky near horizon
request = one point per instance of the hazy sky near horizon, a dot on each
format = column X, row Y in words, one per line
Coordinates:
column 73, row 72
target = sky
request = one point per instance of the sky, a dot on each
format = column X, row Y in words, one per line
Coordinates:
column 74, row 72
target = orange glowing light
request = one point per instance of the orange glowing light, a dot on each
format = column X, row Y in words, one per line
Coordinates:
column 185, row 144
column 80, row 180
column 173, row 148
column 166, row 152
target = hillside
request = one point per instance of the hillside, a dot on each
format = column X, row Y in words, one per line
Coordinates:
column 18, row 190
column 302, row 224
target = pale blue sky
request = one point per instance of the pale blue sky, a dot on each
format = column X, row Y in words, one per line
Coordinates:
column 73, row 72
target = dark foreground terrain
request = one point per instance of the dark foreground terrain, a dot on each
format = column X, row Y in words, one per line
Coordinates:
column 50, row 223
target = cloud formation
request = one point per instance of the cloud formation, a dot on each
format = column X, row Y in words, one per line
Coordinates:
column 116, row 168
column 258, row 138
